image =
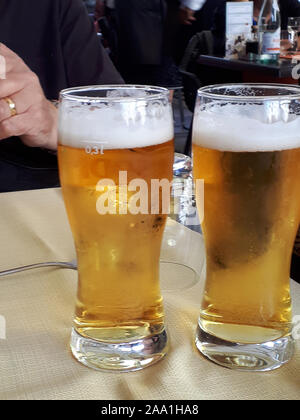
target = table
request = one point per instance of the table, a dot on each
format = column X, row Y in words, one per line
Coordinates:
column 252, row 71
column 35, row 361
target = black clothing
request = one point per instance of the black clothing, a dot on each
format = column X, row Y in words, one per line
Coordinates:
column 287, row 8
column 204, row 21
column 144, row 54
column 57, row 41
column 141, row 26
column 295, row 272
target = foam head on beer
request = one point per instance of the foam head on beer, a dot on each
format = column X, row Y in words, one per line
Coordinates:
column 124, row 121
column 247, row 128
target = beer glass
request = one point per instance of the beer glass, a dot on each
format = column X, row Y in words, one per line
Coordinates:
column 246, row 147
column 115, row 147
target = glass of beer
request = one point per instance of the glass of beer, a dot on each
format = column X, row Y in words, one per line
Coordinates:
column 246, row 148
column 115, row 151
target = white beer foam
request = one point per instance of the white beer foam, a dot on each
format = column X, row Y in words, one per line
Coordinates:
column 244, row 128
column 115, row 127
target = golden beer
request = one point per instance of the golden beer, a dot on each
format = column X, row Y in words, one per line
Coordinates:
column 248, row 226
column 119, row 293
column 114, row 143
column 247, row 151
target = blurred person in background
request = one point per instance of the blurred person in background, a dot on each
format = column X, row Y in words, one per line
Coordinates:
column 145, row 33
column 201, row 19
column 51, row 46
column 141, row 50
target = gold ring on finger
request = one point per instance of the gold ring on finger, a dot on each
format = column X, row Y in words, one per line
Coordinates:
column 12, row 106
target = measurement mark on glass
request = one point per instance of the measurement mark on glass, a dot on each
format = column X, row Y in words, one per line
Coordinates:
column 94, row 148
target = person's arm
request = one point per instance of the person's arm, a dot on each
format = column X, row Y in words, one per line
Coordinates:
column 188, row 9
column 86, row 61
column 32, row 117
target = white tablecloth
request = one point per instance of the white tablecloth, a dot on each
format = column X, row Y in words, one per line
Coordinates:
column 35, row 360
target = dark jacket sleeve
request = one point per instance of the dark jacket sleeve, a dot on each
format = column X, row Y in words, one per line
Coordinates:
column 86, row 61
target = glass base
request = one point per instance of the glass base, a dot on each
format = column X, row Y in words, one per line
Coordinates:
column 247, row 357
column 128, row 356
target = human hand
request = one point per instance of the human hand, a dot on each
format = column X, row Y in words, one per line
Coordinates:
column 35, row 121
column 186, row 16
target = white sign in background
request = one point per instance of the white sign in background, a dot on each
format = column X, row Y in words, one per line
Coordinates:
column 239, row 21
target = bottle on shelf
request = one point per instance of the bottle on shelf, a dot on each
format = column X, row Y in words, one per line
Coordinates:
column 269, row 30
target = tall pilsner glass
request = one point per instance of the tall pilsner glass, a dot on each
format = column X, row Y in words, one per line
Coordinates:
column 246, row 147
column 113, row 142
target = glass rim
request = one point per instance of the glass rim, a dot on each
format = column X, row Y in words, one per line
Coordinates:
column 70, row 93
column 208, row 92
